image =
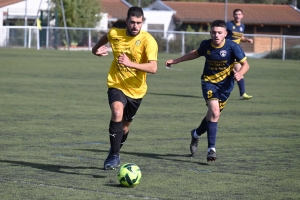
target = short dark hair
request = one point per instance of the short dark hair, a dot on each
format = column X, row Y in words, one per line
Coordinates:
column 218, row 23
column 237, row 10
column 135, row 11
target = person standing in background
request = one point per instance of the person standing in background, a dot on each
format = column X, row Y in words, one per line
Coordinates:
column 235, row 30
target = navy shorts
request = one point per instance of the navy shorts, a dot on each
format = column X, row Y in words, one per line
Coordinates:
column 130, row 105
column 212, row 91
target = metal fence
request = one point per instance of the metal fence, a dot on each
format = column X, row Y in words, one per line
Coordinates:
column 177, row 42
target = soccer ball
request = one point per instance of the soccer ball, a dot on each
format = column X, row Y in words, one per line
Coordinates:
column 129, row 175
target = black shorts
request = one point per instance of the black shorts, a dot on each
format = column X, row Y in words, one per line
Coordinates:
column 130, row 105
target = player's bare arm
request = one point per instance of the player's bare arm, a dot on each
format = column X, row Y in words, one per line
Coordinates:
column 244, row 39
column 189, row 56
column 238, row 75
column 99, row 49
column 150, row 67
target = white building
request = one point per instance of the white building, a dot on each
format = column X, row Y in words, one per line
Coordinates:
column 23, row 9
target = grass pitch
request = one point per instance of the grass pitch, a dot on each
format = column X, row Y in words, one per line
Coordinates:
column 54, row 119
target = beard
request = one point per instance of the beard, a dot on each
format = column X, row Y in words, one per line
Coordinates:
column 132, row 32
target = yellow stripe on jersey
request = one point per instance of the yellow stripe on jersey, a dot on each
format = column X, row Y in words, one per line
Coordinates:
column 218, row 77
column 237, row 36
column 243, row 59
column 238, row 41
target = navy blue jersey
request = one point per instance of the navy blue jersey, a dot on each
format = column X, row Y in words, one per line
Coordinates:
column 234, row 31
column 219, row 63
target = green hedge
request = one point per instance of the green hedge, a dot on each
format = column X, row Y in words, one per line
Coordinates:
column 290, row 54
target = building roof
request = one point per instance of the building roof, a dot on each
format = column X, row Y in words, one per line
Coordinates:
column 8, row 2
column 206, row 12
column 267, row 14
column 115, row 9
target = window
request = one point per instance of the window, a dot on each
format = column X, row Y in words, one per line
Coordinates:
column 268, row 29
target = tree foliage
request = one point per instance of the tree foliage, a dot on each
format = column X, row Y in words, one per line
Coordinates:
column 78, row 13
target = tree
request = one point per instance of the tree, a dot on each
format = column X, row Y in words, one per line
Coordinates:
column 78, row 13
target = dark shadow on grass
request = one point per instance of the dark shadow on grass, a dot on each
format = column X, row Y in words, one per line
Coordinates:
column 174, row 95
column 118, row 185
column 52, row 168
column 150, row 155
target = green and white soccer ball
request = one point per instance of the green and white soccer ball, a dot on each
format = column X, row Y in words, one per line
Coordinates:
column 129, row 175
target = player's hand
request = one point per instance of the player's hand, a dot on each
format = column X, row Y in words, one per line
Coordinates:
column 250, row 41
column 124, row 60
column 237, row 75
column 102, row 51
column 169, row 63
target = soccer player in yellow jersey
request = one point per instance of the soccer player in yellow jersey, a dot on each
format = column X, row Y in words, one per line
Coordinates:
column 135, row 55
column 235, row 29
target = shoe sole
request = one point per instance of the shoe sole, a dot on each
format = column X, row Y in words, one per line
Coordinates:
column 111, row 168
column 245, row 98
column 211, row 159
column 193, row 148
column 211, row 156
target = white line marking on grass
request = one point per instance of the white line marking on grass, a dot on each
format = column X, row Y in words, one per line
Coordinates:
column 76, row 157
column 76, row 144
column 73, row 188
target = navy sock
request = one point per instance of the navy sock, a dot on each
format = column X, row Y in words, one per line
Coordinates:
column 241, row 84
column 115, row 136
column 202, row 127
column 212, row 129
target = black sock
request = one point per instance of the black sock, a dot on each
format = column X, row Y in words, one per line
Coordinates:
column 115, row 136
column 202, row 127
column 124, row 138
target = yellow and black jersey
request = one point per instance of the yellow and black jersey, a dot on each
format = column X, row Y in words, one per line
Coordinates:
column 140, row 49
column 235, row 31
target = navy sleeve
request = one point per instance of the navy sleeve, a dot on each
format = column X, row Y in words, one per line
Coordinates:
column 238, row 52
column 228, row 26
column 200, row 49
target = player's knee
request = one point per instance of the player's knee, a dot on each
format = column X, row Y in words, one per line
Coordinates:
column 125, row 130
column 215, row 115
column 125, row 126
column 117, row 115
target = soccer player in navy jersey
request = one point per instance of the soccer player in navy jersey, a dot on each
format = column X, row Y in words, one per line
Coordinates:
column 217, row 80
column 235, row 30
column 135, row 55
